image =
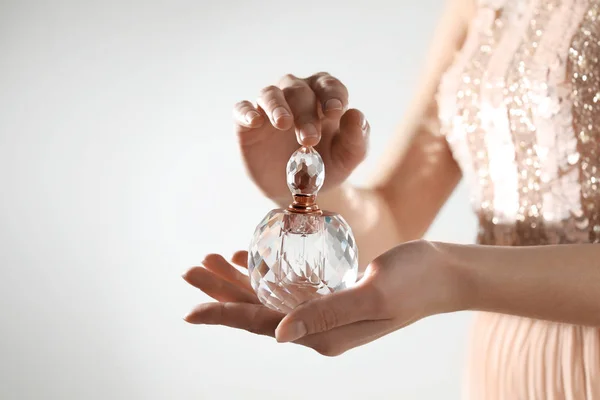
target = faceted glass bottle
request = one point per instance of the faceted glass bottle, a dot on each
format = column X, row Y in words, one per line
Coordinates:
column 301, row 252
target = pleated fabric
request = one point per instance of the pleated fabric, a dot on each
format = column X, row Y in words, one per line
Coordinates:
column 515, row 358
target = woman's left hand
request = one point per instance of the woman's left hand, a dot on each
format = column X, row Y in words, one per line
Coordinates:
column 409, row 282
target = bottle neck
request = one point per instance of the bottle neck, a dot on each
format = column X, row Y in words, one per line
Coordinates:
column 304, row 204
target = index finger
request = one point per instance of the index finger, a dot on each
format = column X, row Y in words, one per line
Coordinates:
column 250, row 317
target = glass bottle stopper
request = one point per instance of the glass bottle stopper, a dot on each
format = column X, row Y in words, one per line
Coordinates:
column 305, row 175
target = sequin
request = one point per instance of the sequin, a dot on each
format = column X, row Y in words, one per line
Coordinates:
column 585, row 80
column 520, row 110
column 469, row 113
column 520, row 105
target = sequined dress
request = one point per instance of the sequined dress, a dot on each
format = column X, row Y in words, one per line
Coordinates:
column 520, row 108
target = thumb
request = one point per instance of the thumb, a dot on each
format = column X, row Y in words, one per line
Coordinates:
column 349, row 145
column 328, row 312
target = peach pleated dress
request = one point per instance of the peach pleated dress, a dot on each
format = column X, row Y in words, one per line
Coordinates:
column 520, row 108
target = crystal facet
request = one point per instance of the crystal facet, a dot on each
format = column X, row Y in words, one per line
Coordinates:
column 296, row 257
column 301, row 252
column 305, row 171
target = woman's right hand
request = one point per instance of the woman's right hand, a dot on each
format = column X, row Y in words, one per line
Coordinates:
column 311, row 112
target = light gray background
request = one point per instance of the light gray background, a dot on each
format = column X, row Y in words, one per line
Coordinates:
column 119, row 169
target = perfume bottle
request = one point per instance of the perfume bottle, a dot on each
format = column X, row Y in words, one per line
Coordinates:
column 301, row 252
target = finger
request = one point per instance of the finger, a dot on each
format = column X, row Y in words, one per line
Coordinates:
column 240, row 258
column 217, row 288
column 339, row 340
column 303, row 103
column 328, row 312
column 246, row 116
column 217, row 264
column 273, row 102
column 250, row 317
column 332, row 94
column 349, row 145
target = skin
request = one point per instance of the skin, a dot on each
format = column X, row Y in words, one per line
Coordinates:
column 405, row 278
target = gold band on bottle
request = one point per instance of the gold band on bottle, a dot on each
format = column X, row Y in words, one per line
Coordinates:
column 304, row 204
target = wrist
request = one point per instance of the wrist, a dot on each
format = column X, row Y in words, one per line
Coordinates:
column 456, row 267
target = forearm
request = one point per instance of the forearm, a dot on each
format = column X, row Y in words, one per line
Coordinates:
column 381, row 220
column 559, row 283
column 368, row 214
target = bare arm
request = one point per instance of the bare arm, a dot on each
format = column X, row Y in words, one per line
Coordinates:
column 417, row 279
column 559, row 283
column 418, row 174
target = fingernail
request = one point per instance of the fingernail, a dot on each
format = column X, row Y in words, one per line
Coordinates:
column 363, row 122
column 251, row 116
column 280, row 112
column 333, row 104
column 291, row 332
column 309, row 135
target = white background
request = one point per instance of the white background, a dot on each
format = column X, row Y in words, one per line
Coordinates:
column 119, row 170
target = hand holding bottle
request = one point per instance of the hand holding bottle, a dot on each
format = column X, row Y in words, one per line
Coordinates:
column 407, row 283
column 311, row 112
